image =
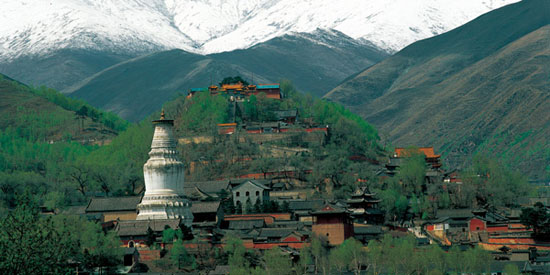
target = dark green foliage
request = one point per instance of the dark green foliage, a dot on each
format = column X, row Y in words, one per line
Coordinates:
column 32, row 244
column 538, row 219
column 187, row 233
column 151, row 237
column 180, row 257
column 233, row 80
column 493, row 183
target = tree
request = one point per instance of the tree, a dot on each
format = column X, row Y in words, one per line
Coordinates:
column 31, row 245
column 236, row 251
column 276, row 263
column 151, row 237
column 187, row 233
column 168, row 234
column 511, row 269
column 412, row 173
column 180, row 257
column 538, row 218
column 233, row 80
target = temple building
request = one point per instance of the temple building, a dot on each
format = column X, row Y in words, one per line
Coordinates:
column 364, row 207
column 332, row 223
column 164, row 196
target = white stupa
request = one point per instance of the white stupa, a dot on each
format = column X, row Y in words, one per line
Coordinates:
column 164, row 178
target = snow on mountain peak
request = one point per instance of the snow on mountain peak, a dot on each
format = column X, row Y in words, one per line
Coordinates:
column 210, row 26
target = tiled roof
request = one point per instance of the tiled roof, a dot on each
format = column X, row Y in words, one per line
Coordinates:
column 139, row 228
column 205, row 207
column 246, row 224
column 268, row 86
column 305, row 205
column 74, row 210
column 113, row 204
column 275, row 232
column 253, row 182
column 329, row 209
column 210, row 187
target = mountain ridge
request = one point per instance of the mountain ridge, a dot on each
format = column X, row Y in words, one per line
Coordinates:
column 461, row 91
column 135, row 27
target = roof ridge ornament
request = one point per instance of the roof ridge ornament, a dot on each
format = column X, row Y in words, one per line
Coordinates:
column 162, row 117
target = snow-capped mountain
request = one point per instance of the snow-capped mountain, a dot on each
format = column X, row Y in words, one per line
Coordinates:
column 29, row 27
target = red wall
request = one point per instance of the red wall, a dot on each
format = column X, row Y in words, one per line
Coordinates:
column 477, row 223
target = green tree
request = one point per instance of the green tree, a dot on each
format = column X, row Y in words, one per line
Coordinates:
column 31, row 245
column 233, row 80
column 151, row 237
column 180, row 257
column 168, row 234
column 538, row 218
column 511, row 269
column 276, row 263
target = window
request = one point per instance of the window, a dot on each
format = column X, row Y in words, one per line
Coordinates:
column 238, row 194
column 257, row 193
column 247, row 193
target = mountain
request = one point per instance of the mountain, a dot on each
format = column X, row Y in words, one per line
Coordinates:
column 481, row 88
column 315, row 62
column 59, row 43
column 62, row 68
column 30, row 27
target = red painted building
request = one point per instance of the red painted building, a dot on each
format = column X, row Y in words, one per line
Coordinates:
column 334, row 223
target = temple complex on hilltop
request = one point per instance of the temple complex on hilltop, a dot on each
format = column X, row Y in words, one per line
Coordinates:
column 239, row 91
column 164, row 179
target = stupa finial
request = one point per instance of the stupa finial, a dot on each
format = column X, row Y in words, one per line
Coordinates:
column 162, row 117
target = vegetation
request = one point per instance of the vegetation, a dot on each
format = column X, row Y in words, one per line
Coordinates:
column 388, row 256
column 233, row 80
column 32, row 244
column 538, row 219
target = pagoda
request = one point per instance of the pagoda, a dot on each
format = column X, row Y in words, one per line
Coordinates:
column 164, row 196
column 364, row 206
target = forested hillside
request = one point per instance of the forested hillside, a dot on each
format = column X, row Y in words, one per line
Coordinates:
column 42, row 134
column 61, row 160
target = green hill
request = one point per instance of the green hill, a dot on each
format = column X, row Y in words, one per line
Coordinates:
column 135, row 88
column 42, row 135
column 481, row 88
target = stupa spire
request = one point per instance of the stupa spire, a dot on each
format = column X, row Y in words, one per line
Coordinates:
column 164, row 178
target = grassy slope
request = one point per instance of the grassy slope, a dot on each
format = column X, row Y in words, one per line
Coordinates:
column 480, row 88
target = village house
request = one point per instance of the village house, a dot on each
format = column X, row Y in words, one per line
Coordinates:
column 249, row 192
column 113, row 208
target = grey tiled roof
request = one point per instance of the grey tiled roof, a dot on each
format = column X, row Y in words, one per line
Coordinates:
column 305, row 205
column 246, row 224
column 139, row 228
column 275, row 232
column 205, row 207
column 210, row 187
column 113, row 204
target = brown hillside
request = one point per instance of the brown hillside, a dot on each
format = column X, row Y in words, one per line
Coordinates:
column 475, row 94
